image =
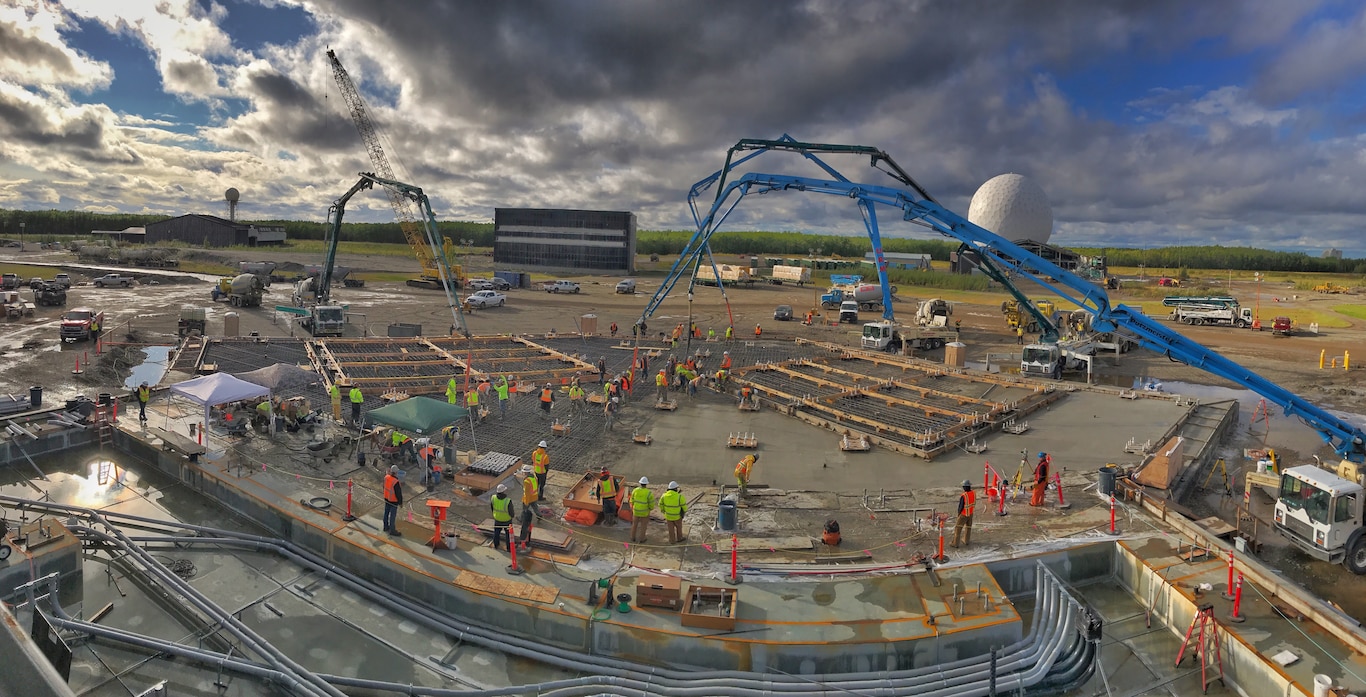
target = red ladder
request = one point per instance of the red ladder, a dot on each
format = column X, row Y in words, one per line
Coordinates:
column 1206, row 630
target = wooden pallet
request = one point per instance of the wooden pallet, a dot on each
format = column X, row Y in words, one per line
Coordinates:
column 642, row 439
column 742, row 440
column 559, row 429
column 666, row 406
column 749, row 406
column 857, row 443
column 507, row 588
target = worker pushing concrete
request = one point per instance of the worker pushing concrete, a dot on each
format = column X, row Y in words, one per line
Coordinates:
column 967, row 505
column 743, row 470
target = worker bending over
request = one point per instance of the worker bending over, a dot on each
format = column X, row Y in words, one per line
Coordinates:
column 606, row 492
column 742, row 471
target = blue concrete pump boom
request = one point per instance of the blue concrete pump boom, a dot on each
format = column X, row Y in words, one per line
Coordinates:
column 1346, row 439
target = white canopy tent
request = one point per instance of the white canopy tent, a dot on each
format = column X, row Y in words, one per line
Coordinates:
column 218, row 388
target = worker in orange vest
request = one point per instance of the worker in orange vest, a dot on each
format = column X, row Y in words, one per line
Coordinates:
column 431, row 469
column 758, row 331
column 1040, row 480
column 547, row 398
column 743, row 470
column 725, row 360
column 606, row 492
column 967, row 504
column 393, row 498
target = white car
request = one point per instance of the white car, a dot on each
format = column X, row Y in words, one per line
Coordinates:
column 562, row 287
column 487, row 298
column 481, row 284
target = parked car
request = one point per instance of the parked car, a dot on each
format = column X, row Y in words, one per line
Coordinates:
column 481, row 284
column 10, row 281
column 63, row 280
column 626, row 286
column 783, row 313
column 500, row 284
column 562, row 287
column 36, row 282
column 487, row 298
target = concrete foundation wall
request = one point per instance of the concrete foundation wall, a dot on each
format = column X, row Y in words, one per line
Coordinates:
column 1075, row 565
column 1244, row 669
column 12, row 453
column 431, row 584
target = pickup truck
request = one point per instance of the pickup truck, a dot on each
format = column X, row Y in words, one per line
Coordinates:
column 561, row 287
column 113, row 279
column 81, row 323
column 486, row 298
column 10, row 281
column 63, row 280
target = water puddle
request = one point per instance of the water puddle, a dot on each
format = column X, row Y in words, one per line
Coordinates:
column 150, row 370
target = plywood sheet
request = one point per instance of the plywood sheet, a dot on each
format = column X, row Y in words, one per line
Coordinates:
column 508, row 588
column 542, row 537
column 1164, row 465
column 767, row 544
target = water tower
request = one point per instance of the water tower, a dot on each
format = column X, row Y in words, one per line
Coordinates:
column 232, row 196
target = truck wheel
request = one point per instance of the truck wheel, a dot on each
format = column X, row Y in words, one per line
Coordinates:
column 1241, row 324
column 1355, row 561
column 124, row 284
column 99, row 284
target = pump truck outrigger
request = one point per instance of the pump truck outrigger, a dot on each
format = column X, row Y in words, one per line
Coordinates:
column 1342, row 539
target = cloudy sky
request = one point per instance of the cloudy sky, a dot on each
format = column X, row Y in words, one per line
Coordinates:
column 1146, row 122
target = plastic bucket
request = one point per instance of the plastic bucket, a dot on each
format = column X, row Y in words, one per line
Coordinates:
column 1108, row 475
column 1322, row 684
column 726, row 515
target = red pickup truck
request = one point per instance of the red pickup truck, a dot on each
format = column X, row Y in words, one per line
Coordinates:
column 81, row 323
column 1282, row 326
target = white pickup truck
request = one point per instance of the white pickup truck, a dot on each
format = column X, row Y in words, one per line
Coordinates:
column 113, row 279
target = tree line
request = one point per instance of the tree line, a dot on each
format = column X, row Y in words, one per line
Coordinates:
column 52, row 223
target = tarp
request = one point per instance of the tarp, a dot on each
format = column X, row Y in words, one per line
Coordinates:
column 281, row 376
column 218, row 388
column 422, row 415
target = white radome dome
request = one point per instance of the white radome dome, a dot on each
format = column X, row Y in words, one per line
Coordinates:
column 1013, row 207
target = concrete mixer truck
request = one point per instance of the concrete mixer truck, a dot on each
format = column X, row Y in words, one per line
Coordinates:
column 243, row 290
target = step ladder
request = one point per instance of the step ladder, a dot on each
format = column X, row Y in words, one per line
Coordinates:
column 104, row 423
column 1206, row 631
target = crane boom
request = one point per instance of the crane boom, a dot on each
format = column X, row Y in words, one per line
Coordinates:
column 427, row 255
column 1345, row 438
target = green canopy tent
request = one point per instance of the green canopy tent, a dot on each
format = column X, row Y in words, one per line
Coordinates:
column 420, row 415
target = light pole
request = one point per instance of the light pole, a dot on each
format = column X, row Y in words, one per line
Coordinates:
column 21, row 235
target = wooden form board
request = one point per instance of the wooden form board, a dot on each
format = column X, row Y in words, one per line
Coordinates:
column 1163, row 467
column 505, row 587
column 542, row 537
column 581, row 494
column 768, row 544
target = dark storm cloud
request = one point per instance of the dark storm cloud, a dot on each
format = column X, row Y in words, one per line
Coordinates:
column 27, row 123
column 32, row 51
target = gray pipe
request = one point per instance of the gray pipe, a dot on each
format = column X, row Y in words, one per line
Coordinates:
column 1045, row 639
column 274, row 656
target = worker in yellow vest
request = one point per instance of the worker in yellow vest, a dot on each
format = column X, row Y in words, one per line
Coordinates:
column 504, row 395
column 577, row 397
column 356, row 399
column 642, row 502
column 743, row 469
column 967, row 504
column 529, row 508
column 472, row 402
column 334, row 392
column 452, row 391
column 730, row 333
column 661, row 387
column 502, row 509
column 540, row 465
column 606, row 492
column 144, row 395
column 673, row 504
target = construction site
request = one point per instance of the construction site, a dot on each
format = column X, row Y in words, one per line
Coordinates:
column 247, row 504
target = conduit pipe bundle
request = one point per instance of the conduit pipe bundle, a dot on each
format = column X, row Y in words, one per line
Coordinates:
column 1053, row 640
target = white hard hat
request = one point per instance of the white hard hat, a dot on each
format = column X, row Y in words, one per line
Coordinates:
column 673, row 485
column 542, row 444
column 526, row 469
column 502, row 488
column 644, row 481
